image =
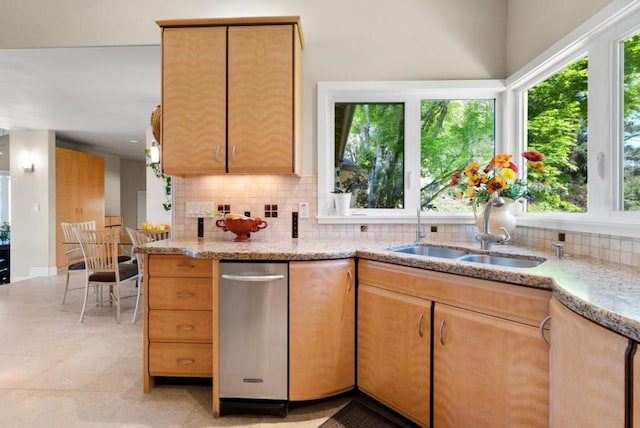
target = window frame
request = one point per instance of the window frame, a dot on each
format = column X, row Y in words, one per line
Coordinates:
column 411, row 93
column 599, row 39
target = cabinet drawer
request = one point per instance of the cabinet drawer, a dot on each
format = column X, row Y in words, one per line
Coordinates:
column 180, row 266
column 178, row 359
column 180, row 326
column 180, row 293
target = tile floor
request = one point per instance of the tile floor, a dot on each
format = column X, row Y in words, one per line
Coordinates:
column 56, row 372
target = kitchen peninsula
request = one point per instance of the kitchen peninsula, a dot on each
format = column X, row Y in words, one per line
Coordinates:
column 597, row 291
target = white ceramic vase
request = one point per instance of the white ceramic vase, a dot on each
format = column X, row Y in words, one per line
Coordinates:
column 343, row 203
column 499, row 217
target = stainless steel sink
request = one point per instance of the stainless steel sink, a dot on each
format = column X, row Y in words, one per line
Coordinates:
column 502, row 261
column 428, row 250
column 467, row 256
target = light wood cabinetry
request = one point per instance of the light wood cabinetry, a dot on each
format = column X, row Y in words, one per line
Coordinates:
column 194, row 100
column 79, row 193
column 492, row 368
column 587, row 372
column 178, row 317
column 636, row 390
column 321, row 328
column 394, row 339
column 488, row 371
column 231, row 96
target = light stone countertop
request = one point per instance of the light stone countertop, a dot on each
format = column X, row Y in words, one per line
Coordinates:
column 604, row 292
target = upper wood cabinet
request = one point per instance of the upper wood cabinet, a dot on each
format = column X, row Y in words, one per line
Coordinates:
column 321, row 328
column 79, row 193
column 231, row 96
column 194, row 100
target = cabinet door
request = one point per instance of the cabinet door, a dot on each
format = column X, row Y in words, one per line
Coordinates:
column 193, row 100
column 79, row 193
column 636, row 390
column 321, row 328
column 394, row 338
column 488, row 371
column 587, row 366
column 261, row 99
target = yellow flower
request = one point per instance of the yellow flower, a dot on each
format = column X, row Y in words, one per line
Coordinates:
column 470, row 192
column 507, row 174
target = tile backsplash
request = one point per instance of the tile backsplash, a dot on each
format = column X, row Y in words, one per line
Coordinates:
column 254, row 193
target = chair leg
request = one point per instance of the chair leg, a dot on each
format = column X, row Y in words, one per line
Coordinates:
column 115, row 295
column 66, row 288
column 84, row 302
column 135, row 311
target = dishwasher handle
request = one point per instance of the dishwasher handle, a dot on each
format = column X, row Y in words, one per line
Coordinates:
column 252, row 278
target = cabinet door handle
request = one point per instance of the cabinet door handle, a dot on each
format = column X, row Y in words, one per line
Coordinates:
column 218, row 153
column 542, row 324
column 350, row 278
column 183, row 294
column 185, row 327
column 441, row 331
column 185, row 361
column 420, row 324
column 233, row 153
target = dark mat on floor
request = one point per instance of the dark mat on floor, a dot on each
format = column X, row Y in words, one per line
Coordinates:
column 357, row 415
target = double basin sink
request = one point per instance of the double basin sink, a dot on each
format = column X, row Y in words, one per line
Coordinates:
column 468, row 256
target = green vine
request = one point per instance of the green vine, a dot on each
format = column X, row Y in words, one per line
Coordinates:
column 155, row 167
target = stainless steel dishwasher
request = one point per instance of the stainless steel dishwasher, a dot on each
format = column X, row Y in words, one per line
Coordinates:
column 254, row 337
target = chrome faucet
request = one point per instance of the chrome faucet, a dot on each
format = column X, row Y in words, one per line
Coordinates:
column 420, row 234
column 485, row 237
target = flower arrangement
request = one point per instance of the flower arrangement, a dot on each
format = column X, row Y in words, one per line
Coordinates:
column 498, row 176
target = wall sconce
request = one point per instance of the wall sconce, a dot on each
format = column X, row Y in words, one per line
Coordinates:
column 27, row 164
column 154, row 152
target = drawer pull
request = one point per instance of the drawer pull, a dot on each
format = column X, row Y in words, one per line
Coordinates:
column 184, row 266
column 184, row 294
column 185, row 327
column 541, row 328
column 441, row 331
column 185, row 361
column 420, row 324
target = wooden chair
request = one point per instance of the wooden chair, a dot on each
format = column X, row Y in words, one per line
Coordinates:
column 100, row 249
column 140, row 237
column 75, row 258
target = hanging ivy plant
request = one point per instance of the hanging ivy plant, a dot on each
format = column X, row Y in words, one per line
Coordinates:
column 155, row 167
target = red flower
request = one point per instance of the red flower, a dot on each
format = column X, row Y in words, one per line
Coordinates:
column 533, row 155
column 513, row 167
column 454, row 179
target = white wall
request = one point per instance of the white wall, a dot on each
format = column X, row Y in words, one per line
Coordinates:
column 344, row 40
column 33, row 205
column 534, row 26
column 132, row 179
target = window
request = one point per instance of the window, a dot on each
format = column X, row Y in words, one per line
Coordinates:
column 557, row 128
column 395, row 146
column 631, row 125
column 369, row 153
column 452, row 134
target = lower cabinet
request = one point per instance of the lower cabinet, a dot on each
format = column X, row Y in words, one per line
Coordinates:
column 587, row 369
column 394, row 340
column 321, row 328
column 636, row 389
column 488, row 371
column 178, row 317
column 489, row 362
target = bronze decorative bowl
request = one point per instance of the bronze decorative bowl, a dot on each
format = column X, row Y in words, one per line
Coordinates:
column 241, row 227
